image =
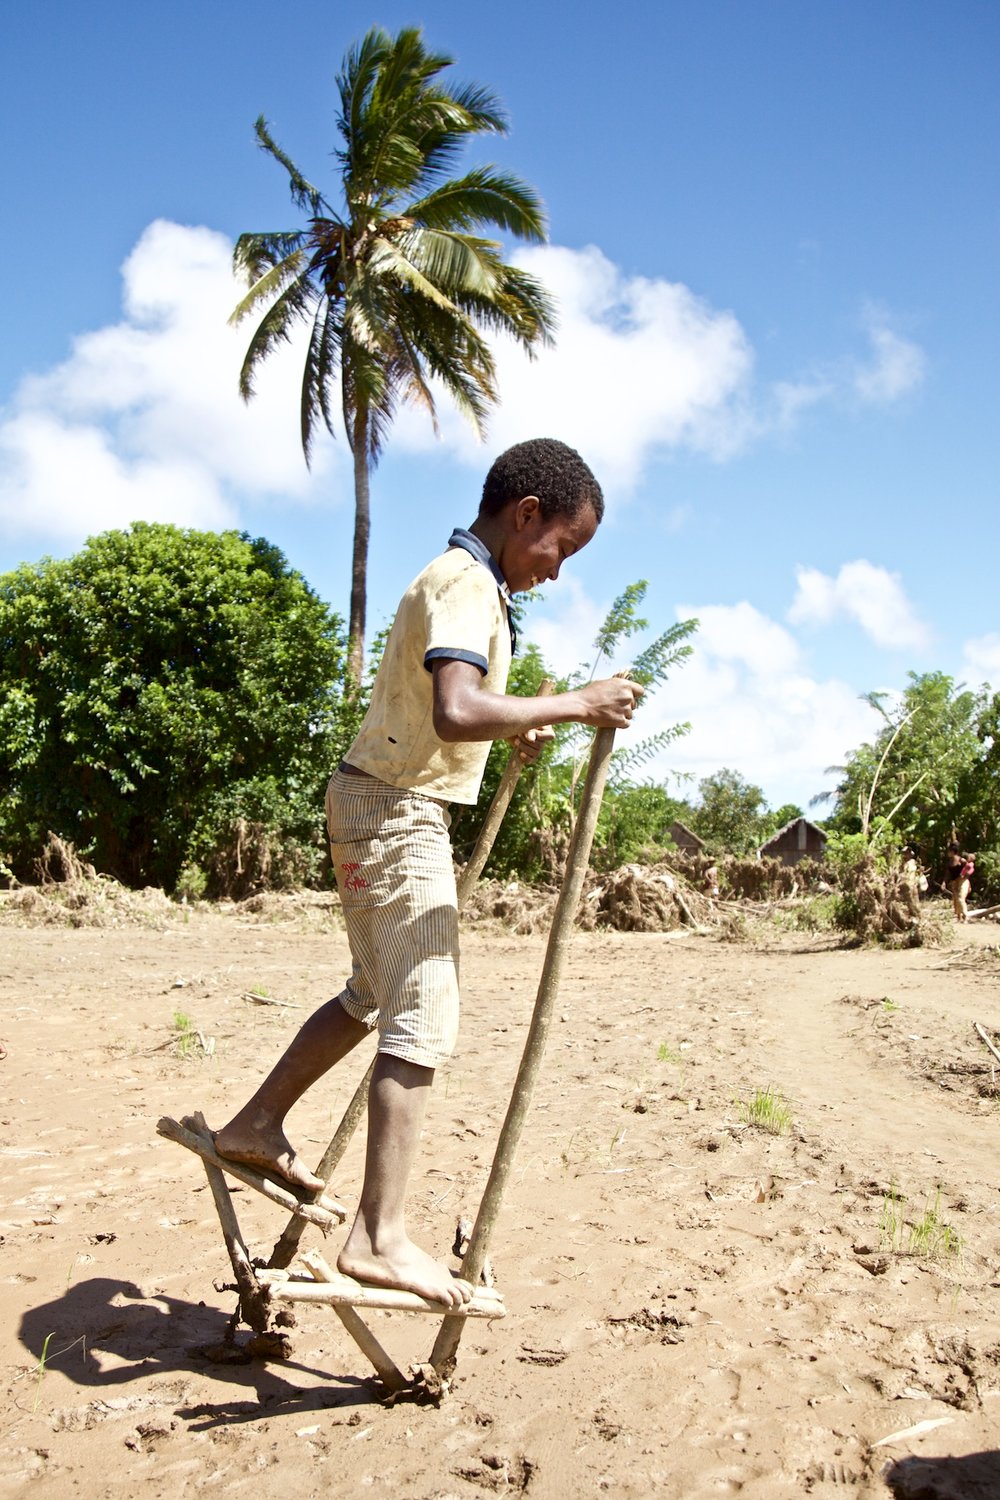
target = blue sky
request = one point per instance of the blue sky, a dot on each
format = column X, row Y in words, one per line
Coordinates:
column 774, row 234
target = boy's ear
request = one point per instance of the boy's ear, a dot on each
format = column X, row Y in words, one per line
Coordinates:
column 526, row 510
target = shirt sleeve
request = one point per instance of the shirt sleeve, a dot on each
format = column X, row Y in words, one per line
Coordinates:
column 460, row 618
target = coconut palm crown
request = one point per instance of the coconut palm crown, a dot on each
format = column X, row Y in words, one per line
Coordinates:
column 400, row 289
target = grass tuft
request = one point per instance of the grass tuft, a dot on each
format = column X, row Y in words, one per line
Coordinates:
column 766, row 1110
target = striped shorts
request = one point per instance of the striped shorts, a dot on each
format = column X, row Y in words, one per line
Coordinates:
column 392, row 860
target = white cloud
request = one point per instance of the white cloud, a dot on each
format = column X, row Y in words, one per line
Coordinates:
column 893, row 368
column 740, row 633
column 745, row 691
column 143, row 421
column 640, row 365
column 897, row 365
column 981, row 660
column 864, row 592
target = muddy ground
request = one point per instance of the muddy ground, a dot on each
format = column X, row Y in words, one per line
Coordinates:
column 696, row 1307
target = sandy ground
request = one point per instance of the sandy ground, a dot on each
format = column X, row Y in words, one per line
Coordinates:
column 697, row 1308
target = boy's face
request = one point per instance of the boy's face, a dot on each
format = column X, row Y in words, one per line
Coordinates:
column 535, row 549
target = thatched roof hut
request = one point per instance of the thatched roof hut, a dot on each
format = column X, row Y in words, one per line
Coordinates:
column 684, row 838
column 799, row 839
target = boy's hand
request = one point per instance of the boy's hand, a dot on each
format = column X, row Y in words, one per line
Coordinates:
column 532, row 742
column 609, row 704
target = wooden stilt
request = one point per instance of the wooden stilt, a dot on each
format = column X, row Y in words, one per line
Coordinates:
column 443, row 1355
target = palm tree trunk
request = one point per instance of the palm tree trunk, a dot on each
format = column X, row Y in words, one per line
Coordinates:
column 359, row 559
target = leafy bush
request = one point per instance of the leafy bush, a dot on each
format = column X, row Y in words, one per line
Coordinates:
column 158, row 688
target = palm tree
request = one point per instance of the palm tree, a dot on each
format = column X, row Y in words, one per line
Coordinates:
column 400, row 288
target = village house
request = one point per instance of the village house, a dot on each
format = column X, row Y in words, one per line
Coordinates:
column 682, row 836
column 799, row 839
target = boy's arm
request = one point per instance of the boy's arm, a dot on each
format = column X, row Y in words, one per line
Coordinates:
column 465, row 710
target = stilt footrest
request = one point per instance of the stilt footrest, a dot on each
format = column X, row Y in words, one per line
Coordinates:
column 324, row 1212
column 345, row 1291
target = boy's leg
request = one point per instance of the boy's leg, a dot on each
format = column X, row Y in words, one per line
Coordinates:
column 378, row 1248
column 256, row 1135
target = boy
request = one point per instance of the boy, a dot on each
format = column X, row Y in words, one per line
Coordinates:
column 437, row 704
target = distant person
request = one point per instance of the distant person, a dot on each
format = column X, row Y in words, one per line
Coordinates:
column 913, row 874
column 438, row 703
column 959, row 869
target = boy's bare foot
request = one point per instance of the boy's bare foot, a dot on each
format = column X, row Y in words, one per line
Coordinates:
column 406, row 1268
column 267, row 1150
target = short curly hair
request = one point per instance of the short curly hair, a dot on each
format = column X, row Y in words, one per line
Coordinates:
column 547, row 468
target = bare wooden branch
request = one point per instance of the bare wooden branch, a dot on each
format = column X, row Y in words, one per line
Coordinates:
column 487, row 1302
column 984, row 1038
column 259, row 999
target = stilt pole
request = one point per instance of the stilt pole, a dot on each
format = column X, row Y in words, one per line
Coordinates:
column 443, row 1355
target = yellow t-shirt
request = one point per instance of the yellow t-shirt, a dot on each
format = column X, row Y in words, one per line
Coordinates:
column 453, row 609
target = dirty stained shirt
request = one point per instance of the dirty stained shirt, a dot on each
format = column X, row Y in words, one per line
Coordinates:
column 452, row 610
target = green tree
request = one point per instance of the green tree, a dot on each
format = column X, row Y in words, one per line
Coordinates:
column 158, row 688
column 399, row 286
column 978, row 797
column 915, row 777
column 730, row 812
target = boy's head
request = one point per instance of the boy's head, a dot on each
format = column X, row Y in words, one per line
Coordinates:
column 540, row 504
column 547, row 468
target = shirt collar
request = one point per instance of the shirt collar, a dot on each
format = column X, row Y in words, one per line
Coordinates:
column 479, row 550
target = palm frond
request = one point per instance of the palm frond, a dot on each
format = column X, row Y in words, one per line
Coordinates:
column 268, row 286
column 519, row 307
column 318, row 373
column 274, row 329
column 253, row 253
column 388, row 260
column 304, row 195
column 484, row 196
column 454, row 263
column 483, row 107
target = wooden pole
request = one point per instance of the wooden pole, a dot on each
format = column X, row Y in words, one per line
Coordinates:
column 288, row 1242
column 443, row 1355
column 473, row 866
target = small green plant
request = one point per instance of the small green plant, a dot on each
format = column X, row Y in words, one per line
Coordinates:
column 889, row 1006
column 187, row 1037
column 668, row 1054
column 891, row 1219
column 766, row 1110
column 930, row 1236
column 40, row 1374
